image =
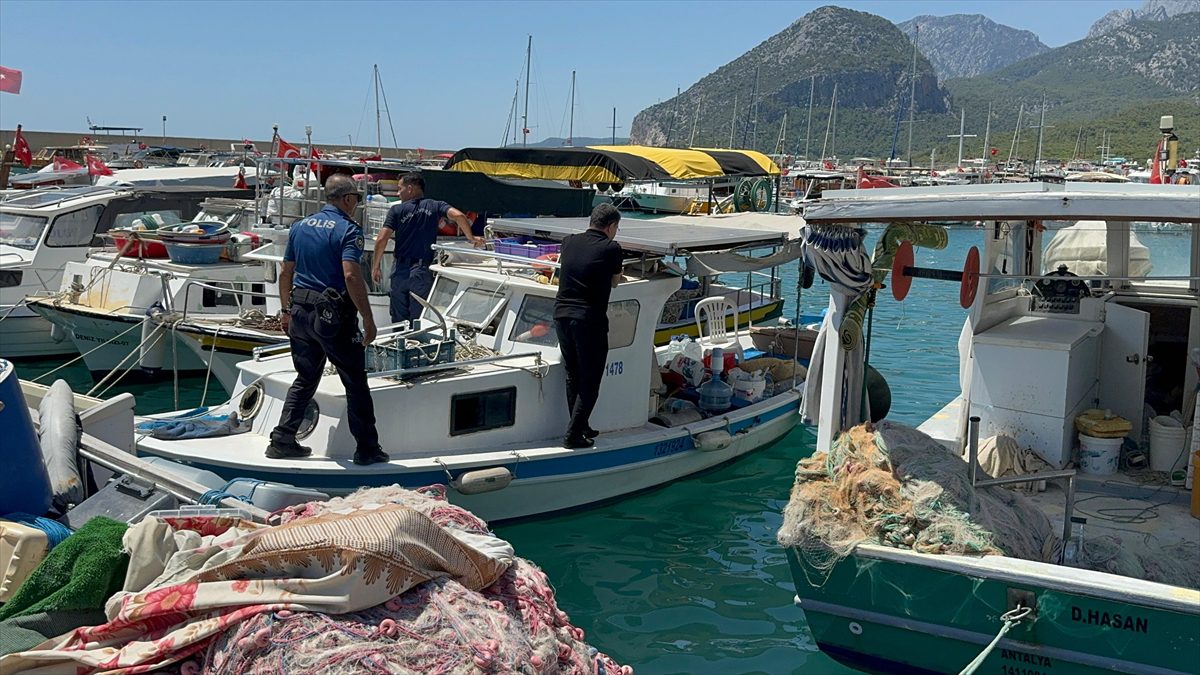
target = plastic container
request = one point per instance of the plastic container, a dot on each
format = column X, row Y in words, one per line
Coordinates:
column 22, row 549
column 140, row 248
column 692, row 370
column 1099, row 456
column 24, row 483
column 526, row 248
column 195, row 254
column 715, row 396
column 728, row 360
column 1167, row 438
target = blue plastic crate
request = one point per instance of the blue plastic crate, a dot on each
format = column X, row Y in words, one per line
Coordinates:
column 194, row 254
column 526, row 247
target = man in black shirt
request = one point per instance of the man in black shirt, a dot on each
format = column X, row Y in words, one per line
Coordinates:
column 589, row 268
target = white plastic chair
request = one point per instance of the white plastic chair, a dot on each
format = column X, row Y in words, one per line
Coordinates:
column 710, row 324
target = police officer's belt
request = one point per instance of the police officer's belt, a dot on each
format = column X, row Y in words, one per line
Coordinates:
column 304, row 296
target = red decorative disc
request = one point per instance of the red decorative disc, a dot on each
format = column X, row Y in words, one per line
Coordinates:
column 901, row 282
column 970, row 279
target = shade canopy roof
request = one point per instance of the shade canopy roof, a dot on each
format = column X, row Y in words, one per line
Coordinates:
column 612, row 163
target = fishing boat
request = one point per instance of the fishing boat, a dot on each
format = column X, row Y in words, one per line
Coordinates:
column 472, row 398
column 1043, row 355
column 41, row 231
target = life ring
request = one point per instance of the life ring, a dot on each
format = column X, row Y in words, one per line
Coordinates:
column 137, row 164
column 542, row 269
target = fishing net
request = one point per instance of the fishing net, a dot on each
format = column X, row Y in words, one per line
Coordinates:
column 512, row 626
column 890, row 484
column 1176, row 564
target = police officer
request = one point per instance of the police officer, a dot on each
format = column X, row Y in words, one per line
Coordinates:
column 589, row 268
column 414, row 221
column 321, row 286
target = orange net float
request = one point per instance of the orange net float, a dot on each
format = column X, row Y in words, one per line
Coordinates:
column 904, row 271
column 544, row 269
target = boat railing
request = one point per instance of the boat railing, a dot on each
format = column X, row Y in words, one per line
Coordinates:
column 196, row 283
column 1065, row 475
column 456, row 364
column 499, row 258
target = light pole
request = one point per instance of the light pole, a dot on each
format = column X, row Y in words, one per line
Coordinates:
column 164, row 130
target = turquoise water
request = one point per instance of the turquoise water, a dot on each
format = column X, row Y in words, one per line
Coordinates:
column 688, row 578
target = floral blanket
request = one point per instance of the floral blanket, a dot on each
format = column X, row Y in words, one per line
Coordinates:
column 217, row 572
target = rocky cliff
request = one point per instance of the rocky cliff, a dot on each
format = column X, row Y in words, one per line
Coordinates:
column 1151, row 10
column 965, row 45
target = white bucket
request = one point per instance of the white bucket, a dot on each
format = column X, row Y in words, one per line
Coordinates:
column 1099, row 456
column 1167, row 437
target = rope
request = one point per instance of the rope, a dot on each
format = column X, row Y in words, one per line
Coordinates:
column 120, row 370
column 1010, row 618
column 212, row 356
column 55, row 531
column 88, row 352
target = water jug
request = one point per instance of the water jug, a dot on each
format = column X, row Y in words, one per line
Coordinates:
column 715, row 396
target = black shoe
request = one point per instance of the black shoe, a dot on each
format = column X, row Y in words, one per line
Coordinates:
column 374, row 456
column 591, row 433
column 575, row 443
column 287, row 450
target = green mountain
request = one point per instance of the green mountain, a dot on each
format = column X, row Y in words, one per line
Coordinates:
column 1112, row 85
column 865, row 56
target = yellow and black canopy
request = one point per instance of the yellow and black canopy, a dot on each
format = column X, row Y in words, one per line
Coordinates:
column 612, row 163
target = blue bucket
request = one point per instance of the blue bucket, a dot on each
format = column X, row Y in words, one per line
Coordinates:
column 194, row 254
column 24, row 484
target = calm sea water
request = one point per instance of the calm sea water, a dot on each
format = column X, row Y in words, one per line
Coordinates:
column 688, row 578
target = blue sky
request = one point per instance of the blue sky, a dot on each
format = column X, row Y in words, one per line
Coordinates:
column 449, row 69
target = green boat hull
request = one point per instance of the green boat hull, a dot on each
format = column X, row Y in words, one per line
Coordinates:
column 886, row 610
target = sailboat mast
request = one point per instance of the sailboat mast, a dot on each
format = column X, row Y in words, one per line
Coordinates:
column 695, row 122
column 571, row 129
column 1041, row 128
column 1078, row 141
column 987, row 135
column 812, row 90
column 378, row 127
column 912, row 91
column 525, row 117
column 1016, row 133
column 674, row 114
column 833, row 132
column 781, row 142
column 829, row 122
column 732, row 121
column 754, row 113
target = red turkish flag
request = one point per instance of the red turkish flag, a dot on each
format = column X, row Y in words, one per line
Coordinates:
column 64, row 164
column 316, row 168
column 10, row 80
column 21, row 151
column 97, row 167
column 1156, row 177
column 287, row 150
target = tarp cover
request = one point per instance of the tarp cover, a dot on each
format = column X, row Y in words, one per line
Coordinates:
column 612, row 163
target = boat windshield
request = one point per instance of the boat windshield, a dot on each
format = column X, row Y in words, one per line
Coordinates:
column 20, row 230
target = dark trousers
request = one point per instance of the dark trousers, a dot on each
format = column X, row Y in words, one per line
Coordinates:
column 409, row 277
column 584, row 346
column 309, row 352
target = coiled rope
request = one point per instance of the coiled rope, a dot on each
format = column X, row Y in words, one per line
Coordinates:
column 55, row 531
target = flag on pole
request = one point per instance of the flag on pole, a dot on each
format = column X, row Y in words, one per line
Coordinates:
column 287, row 150
column 1156, row 166
column 316, row 168
column 97, row 167
column 240, row 182
column 10, row 80
column 21, row 151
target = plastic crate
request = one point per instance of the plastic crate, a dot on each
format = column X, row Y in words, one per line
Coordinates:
column 195, row 254
column 399, row 357
column 526, row 248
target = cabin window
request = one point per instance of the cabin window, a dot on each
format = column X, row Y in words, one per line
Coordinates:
column 622, row 323
column 20, row 230
column 231, row 295
column 443, row 293
column 75, row 228
column 1004, row 253
column 483, row 410
column 535, row 322
column 10, row 278
column 477, row 306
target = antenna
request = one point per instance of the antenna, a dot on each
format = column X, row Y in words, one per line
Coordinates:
column 614, row 126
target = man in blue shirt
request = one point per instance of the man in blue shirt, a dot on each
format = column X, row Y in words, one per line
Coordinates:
column 414, row 222
column 320, row 287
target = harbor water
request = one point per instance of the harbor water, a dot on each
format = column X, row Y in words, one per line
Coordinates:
column 688, row 578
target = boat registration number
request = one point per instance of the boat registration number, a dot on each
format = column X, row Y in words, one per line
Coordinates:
column 616, row 368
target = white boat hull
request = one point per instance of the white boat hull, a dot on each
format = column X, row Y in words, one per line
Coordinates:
column 545, row 478
column 110, row 342
column 24, row 334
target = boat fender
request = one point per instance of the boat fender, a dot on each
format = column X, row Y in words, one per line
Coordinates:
column 482, row 480
column 708, row 441
column 153, row 347
column 57, row 333
column 543, row 269
column 58, row 435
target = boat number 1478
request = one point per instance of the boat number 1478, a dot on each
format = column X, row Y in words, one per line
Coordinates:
column 616, row 368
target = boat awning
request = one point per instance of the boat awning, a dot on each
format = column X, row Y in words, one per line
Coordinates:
column 665, row 236
column 1025, row 201
column 612, row 163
